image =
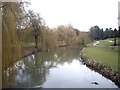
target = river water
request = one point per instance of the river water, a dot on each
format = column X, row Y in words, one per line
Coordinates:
column 60, row 68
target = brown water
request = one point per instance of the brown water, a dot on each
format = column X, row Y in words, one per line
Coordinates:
column 60, row 68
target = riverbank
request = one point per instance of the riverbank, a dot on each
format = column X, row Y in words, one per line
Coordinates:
column 103, row 58
column 28, row 51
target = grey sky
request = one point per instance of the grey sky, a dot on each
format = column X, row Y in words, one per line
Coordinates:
column 82, row 14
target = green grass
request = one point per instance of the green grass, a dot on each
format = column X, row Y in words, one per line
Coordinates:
column 105, row 43
column 110, row 39
column 26, row 45
column 105, row 55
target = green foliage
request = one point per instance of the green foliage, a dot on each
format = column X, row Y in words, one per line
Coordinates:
column 98, row 34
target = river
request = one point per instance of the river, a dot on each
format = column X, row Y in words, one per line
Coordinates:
column 59, row 68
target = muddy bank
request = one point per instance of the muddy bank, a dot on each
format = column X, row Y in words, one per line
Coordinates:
column 106, row 71
column 29, row 51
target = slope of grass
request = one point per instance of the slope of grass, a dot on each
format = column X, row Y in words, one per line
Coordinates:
column 105, row 55
column 28, row 45
column 105, row 43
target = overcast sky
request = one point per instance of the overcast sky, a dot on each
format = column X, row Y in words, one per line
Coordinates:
column 82, row 14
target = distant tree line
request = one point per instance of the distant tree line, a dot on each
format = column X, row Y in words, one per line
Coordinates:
column 99, row 34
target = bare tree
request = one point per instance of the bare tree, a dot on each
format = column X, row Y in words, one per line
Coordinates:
column 37, row 22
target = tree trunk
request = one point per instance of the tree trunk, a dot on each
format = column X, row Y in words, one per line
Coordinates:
column 36, row 43
column 115, row 41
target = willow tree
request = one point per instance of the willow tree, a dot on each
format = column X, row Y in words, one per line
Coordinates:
column 11, row 47
column 66, row 34
column 84, row 38
column 14, row 18
column 47, row 39
column 12, row 15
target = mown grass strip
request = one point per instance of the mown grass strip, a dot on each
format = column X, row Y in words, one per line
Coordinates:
column 105, row 55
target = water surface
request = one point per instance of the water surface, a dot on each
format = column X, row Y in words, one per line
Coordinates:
column 60, row 68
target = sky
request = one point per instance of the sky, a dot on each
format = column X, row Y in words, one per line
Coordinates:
column 81, row 14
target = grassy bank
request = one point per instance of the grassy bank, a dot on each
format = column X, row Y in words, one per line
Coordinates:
column 103, row 53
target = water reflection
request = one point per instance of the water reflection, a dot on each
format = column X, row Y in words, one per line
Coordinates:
column 58, row 68
column 76, row 75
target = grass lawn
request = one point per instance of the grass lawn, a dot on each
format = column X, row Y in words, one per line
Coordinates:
column 105, row 43
column 106, row 55
column 27, row 45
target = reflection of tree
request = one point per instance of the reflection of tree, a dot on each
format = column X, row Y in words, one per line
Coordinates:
column 8, row 80
column 67, row 54
column 36, row 67
column 35, row 73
